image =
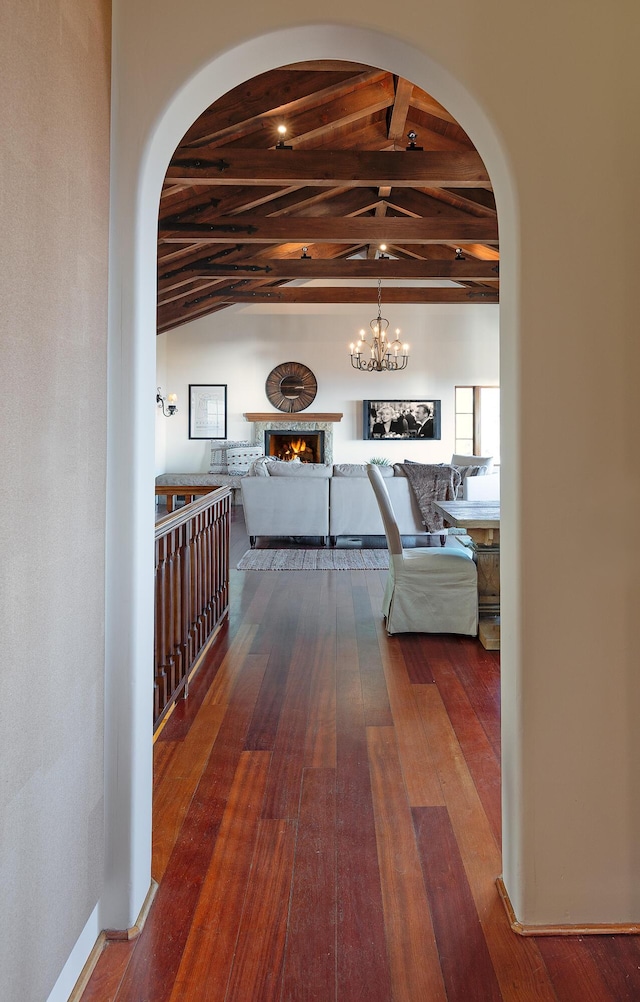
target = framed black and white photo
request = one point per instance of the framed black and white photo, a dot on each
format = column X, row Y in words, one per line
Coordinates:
column 401, row 419
column 207, row 410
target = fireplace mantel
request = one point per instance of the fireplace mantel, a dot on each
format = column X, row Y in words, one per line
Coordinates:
column 294, row 416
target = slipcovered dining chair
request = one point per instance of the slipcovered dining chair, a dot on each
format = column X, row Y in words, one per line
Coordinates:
column 429, row 589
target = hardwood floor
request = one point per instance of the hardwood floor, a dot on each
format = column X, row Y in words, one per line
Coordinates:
column 327, row 820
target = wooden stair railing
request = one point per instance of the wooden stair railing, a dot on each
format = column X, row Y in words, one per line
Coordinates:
column 191, row 591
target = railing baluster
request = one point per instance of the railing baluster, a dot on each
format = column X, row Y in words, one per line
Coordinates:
column 191, row 590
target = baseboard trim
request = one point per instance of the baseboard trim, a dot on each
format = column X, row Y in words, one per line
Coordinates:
column 111, row 934
column 522, row 929
column 88, row 969
column 134, row 931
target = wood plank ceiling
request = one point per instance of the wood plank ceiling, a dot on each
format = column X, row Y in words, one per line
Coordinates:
column 244, row 221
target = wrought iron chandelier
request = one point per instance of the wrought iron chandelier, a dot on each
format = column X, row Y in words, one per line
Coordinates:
column 374, row 352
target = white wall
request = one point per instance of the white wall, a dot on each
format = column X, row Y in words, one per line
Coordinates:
column 54, row 207
column 240, row 346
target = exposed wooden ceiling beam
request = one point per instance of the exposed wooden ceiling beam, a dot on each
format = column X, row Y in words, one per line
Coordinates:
column 250, row 107
column 426, row 126
column 468, row 203
column 174, row 316
column 384, row 268
column 326, row 295
column 367, row 295
column 184, row 292
column 427, row 203
column 166, row 322
column 178, row 268
column 428, row 104
column 398, row 117
column 300, row 215
column 479, row 197
column 339, row 202
column 311, row 229
column 311, row 126
column 331, row 168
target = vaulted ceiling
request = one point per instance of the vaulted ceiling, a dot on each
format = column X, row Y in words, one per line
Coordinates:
column 243, row 220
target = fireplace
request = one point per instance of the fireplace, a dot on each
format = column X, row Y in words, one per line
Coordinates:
column 307, row 446
column 299, row 424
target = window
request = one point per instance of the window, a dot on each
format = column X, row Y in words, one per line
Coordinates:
column 478, row 421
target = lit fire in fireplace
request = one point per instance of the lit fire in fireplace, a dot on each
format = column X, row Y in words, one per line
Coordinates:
column 306, row 448
column 298, row 448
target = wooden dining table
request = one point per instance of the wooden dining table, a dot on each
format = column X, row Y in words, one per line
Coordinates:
column 481, row 523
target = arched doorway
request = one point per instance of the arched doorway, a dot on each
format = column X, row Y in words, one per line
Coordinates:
column 132, row 382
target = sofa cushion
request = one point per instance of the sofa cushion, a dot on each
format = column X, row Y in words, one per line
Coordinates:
column 261, row 466
column 317, row 470
column 358, row 470
column 191, row 480
column 281, row 506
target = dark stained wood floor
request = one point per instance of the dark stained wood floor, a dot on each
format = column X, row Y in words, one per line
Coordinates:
column 327, row 821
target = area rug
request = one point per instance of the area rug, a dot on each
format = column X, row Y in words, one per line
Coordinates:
column 314, row 560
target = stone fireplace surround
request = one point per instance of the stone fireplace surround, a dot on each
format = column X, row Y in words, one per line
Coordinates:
column 297, row 421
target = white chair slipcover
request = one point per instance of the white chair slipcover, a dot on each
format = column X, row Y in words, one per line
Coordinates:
column 429, row 589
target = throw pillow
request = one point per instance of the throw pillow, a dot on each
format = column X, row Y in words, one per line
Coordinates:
column 467, row 471
column 219, row 447
column 260, row 467
column 239, row 460
column 486, row 462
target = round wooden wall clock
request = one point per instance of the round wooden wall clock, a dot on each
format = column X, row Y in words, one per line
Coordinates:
column 291, row 386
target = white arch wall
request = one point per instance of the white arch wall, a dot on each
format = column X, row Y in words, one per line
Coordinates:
column 528, row 87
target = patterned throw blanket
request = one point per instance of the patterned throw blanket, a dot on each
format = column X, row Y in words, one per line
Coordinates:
column 431, row 483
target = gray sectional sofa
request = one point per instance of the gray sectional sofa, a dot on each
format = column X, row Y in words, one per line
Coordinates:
column 307, row 499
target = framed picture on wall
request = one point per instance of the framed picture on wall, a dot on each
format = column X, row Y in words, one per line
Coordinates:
column 207, row 410
column 401, row 419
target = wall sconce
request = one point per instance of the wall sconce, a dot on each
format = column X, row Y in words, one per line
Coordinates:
column 169, row 403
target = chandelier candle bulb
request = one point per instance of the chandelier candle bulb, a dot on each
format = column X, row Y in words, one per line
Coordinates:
column 385, row 354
